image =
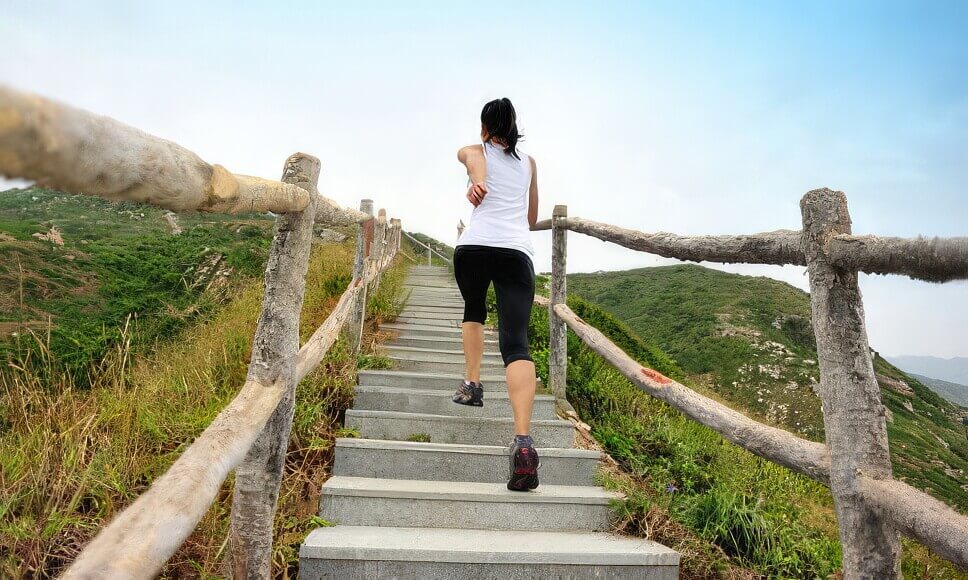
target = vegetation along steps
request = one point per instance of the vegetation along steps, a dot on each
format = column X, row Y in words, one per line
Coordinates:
column 421, row 493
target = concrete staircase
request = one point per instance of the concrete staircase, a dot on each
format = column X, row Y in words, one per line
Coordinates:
column 407, row 508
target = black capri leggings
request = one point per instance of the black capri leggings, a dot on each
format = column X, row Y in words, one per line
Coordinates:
column 475, row 267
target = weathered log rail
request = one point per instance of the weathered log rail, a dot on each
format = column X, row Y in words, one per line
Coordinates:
column 83, row 153
column 430, row 251
column 80, row 152
column 872, row 507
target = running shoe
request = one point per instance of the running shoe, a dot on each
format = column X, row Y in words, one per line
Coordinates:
column 524, row 464
column 470, row 393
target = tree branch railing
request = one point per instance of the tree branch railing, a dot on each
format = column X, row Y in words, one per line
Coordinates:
column 854, row 461
column 928, row 259
column 872, row 507
column 76, row 151
column 83, row 153
column 429, row 250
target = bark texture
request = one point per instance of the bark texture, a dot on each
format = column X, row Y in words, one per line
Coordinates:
column 920, row 516
column 776, row 445
column 558, row 341
column 379, row 247
column 274, row 350
column 854, row 422
column 541, row 225
column 65, row 148
column 780, row 247
column 929, row 259
column 70, row 149
column 363, row 241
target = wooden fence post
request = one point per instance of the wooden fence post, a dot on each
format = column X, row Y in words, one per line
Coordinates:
column 274, row 349
column 379, row 244
column 395, row 238
column 363, row 242
column 853, row 415
column 558, row 344
column 397, row 226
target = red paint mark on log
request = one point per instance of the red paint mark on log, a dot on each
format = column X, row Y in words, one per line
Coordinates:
column 656, row 376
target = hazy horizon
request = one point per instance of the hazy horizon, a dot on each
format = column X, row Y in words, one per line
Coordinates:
column 698, row 118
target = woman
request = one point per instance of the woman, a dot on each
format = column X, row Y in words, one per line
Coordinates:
column 496, row 247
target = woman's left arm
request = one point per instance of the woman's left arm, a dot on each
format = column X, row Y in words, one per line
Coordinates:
column 533, row 194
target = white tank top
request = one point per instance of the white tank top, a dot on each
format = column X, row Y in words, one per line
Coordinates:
column 501, row 220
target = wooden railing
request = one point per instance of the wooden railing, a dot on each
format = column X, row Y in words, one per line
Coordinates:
column 871, row 506
column 430, row 251
column 62, row 147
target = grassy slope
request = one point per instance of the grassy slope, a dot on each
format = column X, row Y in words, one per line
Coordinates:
column 117, row 259
column 678, row 474
column 72, row 457
column 954, row 392
column 748, row 341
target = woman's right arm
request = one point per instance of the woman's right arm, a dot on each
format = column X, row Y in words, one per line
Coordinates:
column 533, row 194
column 473, row 159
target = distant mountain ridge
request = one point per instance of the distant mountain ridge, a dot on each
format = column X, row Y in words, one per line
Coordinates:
column 954, row 392
column 953, row 370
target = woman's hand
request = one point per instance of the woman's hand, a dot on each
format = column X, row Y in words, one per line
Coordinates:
column 476, row 193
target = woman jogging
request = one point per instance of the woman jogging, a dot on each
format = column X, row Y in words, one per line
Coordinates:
column 496, row 247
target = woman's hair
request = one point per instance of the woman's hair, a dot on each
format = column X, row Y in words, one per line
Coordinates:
column 501, row 121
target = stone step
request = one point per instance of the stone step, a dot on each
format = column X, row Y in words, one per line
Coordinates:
column 400, row 426
column 449, row 355
column 450, row 286
column 438, row 342
column 429, row 282
column 453, row 323
column 439, row 402
column 363, row 501
column 455, row 317
column 455, row 462
column 425, row 292
column 430, row 271
column 488, row 367
column 436, row 301
column 405, row 357
column 363, row 552
column 435, row 309
column 430, row 330
column 439, row 273
column 423, row 380
column 438, row 304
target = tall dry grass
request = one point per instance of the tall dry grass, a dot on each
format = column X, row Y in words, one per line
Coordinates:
column 71, row 458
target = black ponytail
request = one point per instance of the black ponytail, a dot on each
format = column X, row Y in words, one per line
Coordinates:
column 501, row 121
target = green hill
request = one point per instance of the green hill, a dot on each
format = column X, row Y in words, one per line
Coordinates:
column 81, row 272
column 954, row 392
column 748, row 341
column 157, row 327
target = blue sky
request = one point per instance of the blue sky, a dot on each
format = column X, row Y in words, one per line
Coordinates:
column 711, row 117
